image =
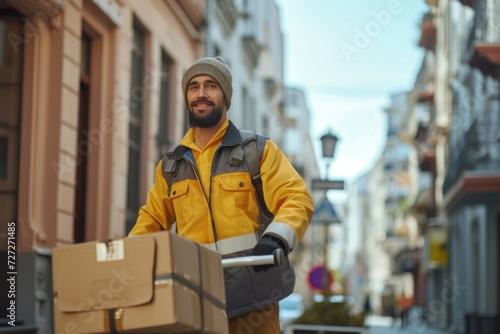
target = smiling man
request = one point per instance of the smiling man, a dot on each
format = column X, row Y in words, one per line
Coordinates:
column 204, row 185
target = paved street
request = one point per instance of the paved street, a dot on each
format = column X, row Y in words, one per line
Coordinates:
column 383, row 325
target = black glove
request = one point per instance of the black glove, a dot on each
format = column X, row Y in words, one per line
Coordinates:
column 266, row 246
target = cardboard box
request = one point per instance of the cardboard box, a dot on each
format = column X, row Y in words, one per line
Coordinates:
column 155, row 283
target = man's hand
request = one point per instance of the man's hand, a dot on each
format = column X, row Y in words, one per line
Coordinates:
column 267, row 245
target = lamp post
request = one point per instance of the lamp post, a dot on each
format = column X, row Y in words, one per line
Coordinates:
column 328, row 144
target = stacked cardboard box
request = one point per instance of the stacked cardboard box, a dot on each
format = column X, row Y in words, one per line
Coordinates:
column 156, row 283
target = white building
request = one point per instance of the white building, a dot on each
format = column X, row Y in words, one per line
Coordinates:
column 368, row 265
column 298, row 146
column 248, row 36
column 379, row 235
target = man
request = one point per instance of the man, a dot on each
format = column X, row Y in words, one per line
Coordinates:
column 213, row 202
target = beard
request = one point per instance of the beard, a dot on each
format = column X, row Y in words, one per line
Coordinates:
column 207, row 120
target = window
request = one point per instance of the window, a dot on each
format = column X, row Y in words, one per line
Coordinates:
column 11, row 69
column 80, row 203
column 135, row 125
column 249, row 118
column 163, row 133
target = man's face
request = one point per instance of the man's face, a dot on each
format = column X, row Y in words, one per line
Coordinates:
column 205, row 101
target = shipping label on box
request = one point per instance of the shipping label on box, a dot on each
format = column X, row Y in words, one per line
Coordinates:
column 155, row 283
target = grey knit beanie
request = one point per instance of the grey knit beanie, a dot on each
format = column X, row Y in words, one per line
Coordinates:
column 215, row 68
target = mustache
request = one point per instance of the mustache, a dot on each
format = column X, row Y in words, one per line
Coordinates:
column 202, row 100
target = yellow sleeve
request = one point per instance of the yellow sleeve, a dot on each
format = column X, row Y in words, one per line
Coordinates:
column 158, row 212
column 286, row 196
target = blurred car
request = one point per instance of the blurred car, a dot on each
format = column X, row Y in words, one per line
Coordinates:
column 291, row 308
column 334, row 299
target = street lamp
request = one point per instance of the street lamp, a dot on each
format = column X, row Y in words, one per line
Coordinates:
column 328, row 144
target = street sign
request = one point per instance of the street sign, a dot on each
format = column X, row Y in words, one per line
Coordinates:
column 320, row 184
column 325, row 213
column 320, row 278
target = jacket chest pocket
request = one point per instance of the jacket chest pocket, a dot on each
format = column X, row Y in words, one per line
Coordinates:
column 236, row 196
column 183, row 202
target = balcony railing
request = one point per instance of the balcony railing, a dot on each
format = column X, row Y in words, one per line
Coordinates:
column 478, row 151
column 428, row 34
column 485, row 26
column 470, row 3
column 227, row 14
column 484, row 38
column 250, row 41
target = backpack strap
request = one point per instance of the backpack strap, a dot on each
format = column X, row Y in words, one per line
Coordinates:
column 253, row 147
column 170, row 163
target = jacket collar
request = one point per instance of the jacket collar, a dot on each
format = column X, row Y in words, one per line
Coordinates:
column 232, row 136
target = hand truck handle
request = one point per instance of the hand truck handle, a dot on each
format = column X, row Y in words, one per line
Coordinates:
column 277, row 258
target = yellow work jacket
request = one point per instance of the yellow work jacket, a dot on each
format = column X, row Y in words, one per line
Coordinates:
column 219, row 205
column 214, row 203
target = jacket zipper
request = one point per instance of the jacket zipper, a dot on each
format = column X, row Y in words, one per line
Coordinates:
column 209, row 199
column 212, row 220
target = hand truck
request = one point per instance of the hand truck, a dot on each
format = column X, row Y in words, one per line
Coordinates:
column 277, row 258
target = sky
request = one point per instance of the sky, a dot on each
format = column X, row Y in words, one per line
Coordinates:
column 349, row 57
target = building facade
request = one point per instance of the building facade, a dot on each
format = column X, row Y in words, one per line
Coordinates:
column 455, row 125
column 90, row 99
column 471, row 187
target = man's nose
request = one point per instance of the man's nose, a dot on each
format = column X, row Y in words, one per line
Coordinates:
column 202, row 91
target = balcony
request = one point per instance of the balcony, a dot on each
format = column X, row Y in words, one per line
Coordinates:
column 474, row 161
column 470, row 3
column 394, row 242
column 484, row 38
column 270, row 72
column 271, row 87
column 252, row 35
column 227, row 15
column 428, row 34
column 426, row 153
column 252, row 49
column 423, row 207
column 426, row 96
column 427, row 158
